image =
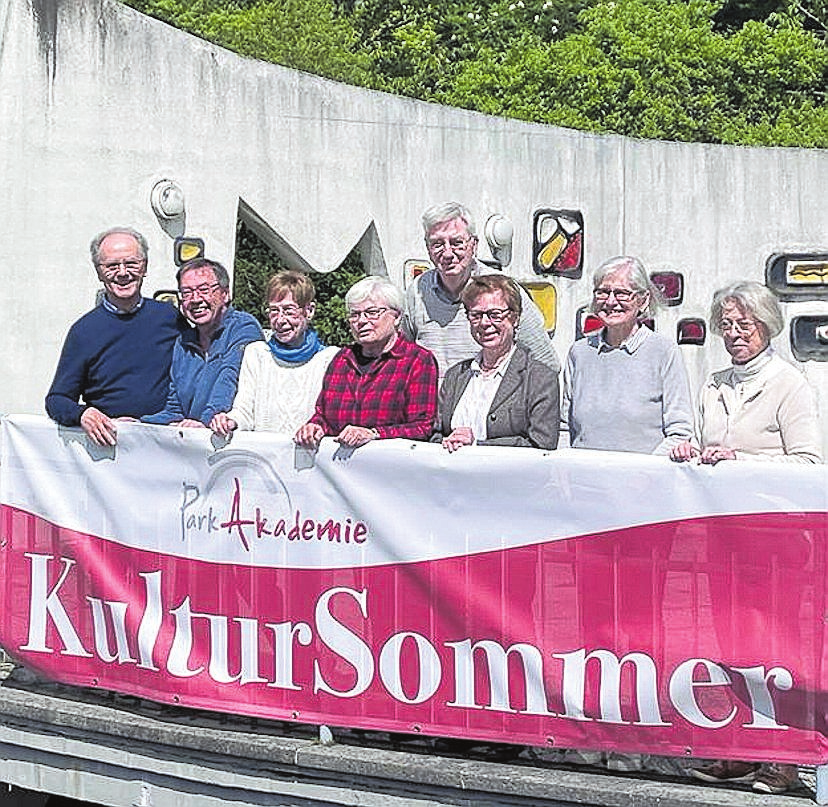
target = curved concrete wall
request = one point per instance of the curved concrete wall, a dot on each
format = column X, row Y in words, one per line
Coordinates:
column 98, row 102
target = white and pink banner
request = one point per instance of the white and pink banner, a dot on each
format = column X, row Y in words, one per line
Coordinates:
column 573, row 598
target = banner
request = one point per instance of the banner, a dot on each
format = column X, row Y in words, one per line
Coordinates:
column 573, row 599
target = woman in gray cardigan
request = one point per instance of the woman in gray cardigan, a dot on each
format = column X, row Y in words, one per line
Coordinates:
column 502, row 396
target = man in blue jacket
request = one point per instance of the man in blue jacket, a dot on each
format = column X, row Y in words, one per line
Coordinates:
column 115, row 361
column 206, row 359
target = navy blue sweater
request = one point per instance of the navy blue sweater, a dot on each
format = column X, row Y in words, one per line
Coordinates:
column 119, row 364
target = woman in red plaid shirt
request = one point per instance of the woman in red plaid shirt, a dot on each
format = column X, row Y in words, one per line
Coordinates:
column 382, row 385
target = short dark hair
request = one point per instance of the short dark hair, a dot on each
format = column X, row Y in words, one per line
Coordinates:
column 291, row 281
column 222, row 278
column 484, row 284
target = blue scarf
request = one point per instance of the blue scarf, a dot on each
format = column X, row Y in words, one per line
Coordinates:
column 311, row 345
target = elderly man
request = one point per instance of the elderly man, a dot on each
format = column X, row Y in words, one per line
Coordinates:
column 435, row 317
column 206, row 358
column 116, row 358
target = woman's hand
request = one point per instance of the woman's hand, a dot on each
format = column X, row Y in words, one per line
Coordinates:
column 309, row 436
column 355, row 436
column 189, row 423
column 713, row 454
column 223, row 425
column 684, row 452
column 461, row 436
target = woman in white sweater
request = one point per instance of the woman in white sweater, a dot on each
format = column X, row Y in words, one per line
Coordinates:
column 761, row 407
column 280, row 379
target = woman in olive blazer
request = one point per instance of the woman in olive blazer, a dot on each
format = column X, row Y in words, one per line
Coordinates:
column 502, row 396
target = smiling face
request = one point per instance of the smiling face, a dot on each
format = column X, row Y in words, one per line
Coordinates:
column 288, row 319
column 617, row 303
column 373, row 325
column 744, row 337
column 452, row 249
column 121, row 268
column 203, row 301
column 491, row 322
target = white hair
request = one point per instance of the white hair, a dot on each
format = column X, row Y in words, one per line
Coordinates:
column 639, row 279
column 380, row 288
column 754, row 299
column 448, row 211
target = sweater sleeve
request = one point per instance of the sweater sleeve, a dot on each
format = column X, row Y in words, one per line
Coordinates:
column 244, row 404
column 69, row 381
column 227, row 379
column 677, row 406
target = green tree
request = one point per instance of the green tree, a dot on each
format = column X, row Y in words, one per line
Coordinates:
column 254, row 265
column 658, row 69
column 752, row 72
column 308, row 35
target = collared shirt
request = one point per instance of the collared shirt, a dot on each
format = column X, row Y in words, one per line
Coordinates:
column 396, row 394
column 630, row 344
column 113, row 309
column 476, row 401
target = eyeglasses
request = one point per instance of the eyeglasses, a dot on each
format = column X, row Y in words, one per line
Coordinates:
column 454, row 244
column 744, row 327
column 622, row 295
column 371, row 314
column 286, row 311
column 129, row 264
column 494, row 315
column 204, row 290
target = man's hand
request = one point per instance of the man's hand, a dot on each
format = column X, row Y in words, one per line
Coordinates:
column 98, row 427
column 355, row 436
column 223, row 425
column 189, row 423
column 461, row 436
column 309, row 436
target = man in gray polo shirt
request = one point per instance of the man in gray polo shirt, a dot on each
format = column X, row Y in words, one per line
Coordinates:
column 434, row 316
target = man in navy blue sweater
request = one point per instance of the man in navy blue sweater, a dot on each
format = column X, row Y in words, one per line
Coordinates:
column 115, row 362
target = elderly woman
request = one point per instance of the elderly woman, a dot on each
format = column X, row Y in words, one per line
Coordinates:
column 502, row 396
column 280, row 379
column 760, row 407
column 625, row 387
column 380, row 386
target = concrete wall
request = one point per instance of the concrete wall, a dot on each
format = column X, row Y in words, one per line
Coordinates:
column 98, row 102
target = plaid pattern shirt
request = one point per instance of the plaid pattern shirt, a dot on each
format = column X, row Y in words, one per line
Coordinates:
column 396, row 394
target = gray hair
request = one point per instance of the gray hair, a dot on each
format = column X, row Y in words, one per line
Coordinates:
column 222, row 277
column 447, row 211
column 95, row 243
column 378, row 287
column 754, row 299
column 639, row 279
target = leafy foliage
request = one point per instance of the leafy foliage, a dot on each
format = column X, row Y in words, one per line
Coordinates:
column 256, row 263
column 751, row 72
column 658, row 69
column 307, row 35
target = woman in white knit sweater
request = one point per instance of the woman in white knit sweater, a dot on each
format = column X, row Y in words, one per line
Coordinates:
column 761, row 407
column 280, row 379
